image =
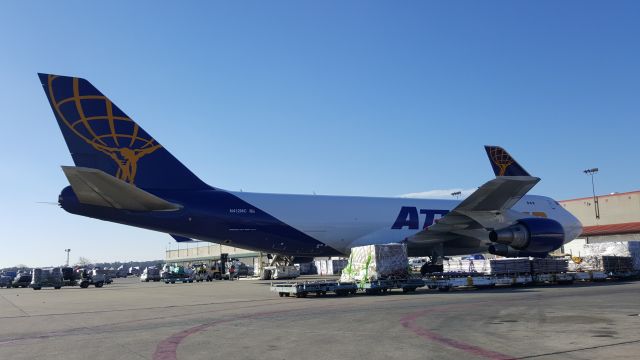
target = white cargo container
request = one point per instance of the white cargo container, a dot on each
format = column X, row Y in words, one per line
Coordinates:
column 330, row 267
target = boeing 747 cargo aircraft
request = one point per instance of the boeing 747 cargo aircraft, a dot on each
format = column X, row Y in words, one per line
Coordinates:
column 124, row 175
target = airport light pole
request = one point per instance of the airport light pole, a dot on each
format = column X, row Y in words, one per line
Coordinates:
column 596, row 206
column 67, row 251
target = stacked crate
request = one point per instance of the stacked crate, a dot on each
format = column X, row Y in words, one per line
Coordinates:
column 548, row 265
column 509, row 266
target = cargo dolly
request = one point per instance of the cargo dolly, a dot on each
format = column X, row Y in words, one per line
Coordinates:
column 319, row 287
column 322, row 287
column 383, row 286
column 446, row 282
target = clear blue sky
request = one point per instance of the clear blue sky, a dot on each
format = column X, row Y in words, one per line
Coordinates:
column 333, row 97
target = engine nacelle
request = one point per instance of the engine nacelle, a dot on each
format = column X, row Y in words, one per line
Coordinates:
column 508, row 251
column 535, row 235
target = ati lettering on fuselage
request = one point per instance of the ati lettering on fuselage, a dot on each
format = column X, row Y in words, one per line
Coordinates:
column 409, row 217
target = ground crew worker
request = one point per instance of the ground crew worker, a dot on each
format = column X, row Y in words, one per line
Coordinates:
column 232, row 270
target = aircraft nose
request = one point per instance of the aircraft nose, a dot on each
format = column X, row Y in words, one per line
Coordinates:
column 574, row 228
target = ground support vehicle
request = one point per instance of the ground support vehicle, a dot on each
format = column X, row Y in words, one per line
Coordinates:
column 319, row 287
column 121, row 272
column 202, row 273
column 172, row 273
column 5, row 281
column 94, row 278
column 172, row 278
column 46, row 278
column 69, row 277
column 150, row 274
column 22, row 280
column 279, row 272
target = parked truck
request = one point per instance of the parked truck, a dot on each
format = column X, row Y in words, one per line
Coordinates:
column 21, row 280
column 46, row 278
column 69, row 277
column 150, row 273
column 5, row 281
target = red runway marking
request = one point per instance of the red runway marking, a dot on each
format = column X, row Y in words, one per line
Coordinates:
column 167, row 349
column 408, row 323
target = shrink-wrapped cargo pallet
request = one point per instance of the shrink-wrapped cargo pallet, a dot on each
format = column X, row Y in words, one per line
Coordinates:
column 374, row 262
column 590, row 257
column 466, row 266
column 609, row 264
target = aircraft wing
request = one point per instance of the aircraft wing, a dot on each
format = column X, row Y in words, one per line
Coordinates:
column 488, row 207
column 95, row 187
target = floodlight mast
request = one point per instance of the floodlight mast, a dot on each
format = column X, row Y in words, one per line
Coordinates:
column 596, row 206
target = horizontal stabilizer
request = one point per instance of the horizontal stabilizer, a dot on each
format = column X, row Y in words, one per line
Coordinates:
column 95, row 187
column 182, row 239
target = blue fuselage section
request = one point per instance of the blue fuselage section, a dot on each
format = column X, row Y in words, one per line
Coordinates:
column 210, row 215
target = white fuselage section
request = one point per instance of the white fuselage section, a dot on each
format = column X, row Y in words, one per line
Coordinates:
column 343, row 222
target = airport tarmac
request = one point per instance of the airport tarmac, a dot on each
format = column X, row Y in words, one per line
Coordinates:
column 244, row 320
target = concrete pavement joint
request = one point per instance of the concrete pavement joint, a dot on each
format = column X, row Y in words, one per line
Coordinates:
column 580, row 349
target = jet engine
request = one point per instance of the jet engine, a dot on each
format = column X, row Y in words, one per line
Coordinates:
column 534, row 235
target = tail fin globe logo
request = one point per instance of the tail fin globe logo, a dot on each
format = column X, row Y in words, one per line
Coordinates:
column 501, row 158
column 103, row 126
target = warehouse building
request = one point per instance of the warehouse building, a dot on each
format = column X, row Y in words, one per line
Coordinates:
column 605, row 218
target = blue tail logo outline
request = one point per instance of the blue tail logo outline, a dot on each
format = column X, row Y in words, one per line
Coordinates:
column 125, row 149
